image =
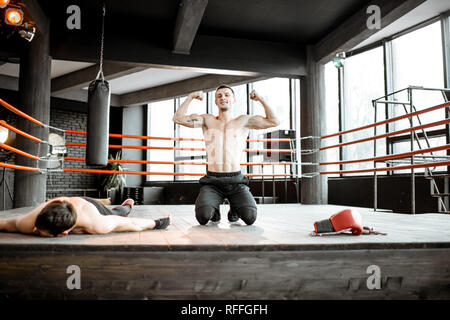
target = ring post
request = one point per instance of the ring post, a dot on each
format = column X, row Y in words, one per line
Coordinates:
column 285, row 184
column 262, row 172
column 273, row 182
column 413, row 180
column 375, row 178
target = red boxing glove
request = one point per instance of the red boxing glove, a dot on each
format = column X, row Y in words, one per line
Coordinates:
column 345, row 219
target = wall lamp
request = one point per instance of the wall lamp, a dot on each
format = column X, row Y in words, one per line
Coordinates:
column 338, row 60
column 27, row 32
column 4, row 3
column 14, row 17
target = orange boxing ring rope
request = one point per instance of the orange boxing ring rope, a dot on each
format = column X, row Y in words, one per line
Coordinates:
column 131, row 172
column 130, row 136
column 10, row 127
column 413, row 154
column 141, row 161
column 113, row 146
column 15, row 166
column 161, row 173
column 390, row 157
column 424, row 126
column 23, row 153
column 20, row 113
column 405, row 116
column 374, row 159
column 178, row 162
column 411, row 166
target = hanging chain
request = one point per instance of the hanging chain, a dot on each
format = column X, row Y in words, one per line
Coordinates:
column 100, row 72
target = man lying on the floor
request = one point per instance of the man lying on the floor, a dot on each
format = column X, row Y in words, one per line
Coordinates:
column 63, row 215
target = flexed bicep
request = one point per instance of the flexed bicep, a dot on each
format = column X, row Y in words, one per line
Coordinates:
column 260, row 122
column 192, row 121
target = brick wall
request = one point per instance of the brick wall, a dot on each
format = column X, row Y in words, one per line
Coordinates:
column 63, row 183
column 71, row 183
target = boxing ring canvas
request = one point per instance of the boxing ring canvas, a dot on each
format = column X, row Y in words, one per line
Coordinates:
column 276, row 258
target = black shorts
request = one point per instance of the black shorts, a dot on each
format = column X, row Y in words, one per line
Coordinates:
column 217, row 186
column 116, row 211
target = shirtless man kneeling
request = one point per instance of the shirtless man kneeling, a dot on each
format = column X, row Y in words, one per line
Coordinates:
column 63, row 215
column 225, row 139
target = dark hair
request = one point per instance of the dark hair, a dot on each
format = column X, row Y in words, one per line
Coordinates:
column 224, row 86
column 56, row 217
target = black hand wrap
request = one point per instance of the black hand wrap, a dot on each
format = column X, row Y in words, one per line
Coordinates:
column 324, row 226
column 162, row 223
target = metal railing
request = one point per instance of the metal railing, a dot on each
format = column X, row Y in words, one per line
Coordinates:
column 409, row 107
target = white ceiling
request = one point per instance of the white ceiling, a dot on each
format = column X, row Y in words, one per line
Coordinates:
column 149, row 78
column 59, row 68
column 160, row 75
column 10, row 69
column 427, row 10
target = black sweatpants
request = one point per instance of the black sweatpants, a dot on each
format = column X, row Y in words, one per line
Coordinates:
column 116, row 211
column 215, row 187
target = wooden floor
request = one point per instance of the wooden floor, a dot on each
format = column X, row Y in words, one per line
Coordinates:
column 276, row 258
column 277, row 225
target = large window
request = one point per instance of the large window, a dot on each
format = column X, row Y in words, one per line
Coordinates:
column 414, row 59
column 418, row 61
column 160, row 125
column 332, row 115
column 363, row 82
column 198, row 107
column 275, row 92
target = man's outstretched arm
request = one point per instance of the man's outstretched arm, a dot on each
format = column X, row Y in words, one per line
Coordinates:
column 192, row 120
column 110, row 224
column 9, row 225
column 260, row 122
column 23, row 223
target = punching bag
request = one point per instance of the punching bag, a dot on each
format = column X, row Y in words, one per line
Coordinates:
column 99, row 97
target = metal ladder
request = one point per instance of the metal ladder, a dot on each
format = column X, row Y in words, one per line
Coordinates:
column 442, row 198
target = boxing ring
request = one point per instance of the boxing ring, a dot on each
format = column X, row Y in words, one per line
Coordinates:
column 275, row 258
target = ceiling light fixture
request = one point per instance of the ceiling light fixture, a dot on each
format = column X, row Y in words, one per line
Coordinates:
column 14, row 16
column 4, row 3
column 7, row 136
column 4, row 133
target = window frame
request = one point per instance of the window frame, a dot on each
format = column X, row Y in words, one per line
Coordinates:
column 249, row 86
column 386, row 43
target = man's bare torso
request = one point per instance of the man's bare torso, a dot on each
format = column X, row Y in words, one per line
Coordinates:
column 224, row 136
column 224, row 142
